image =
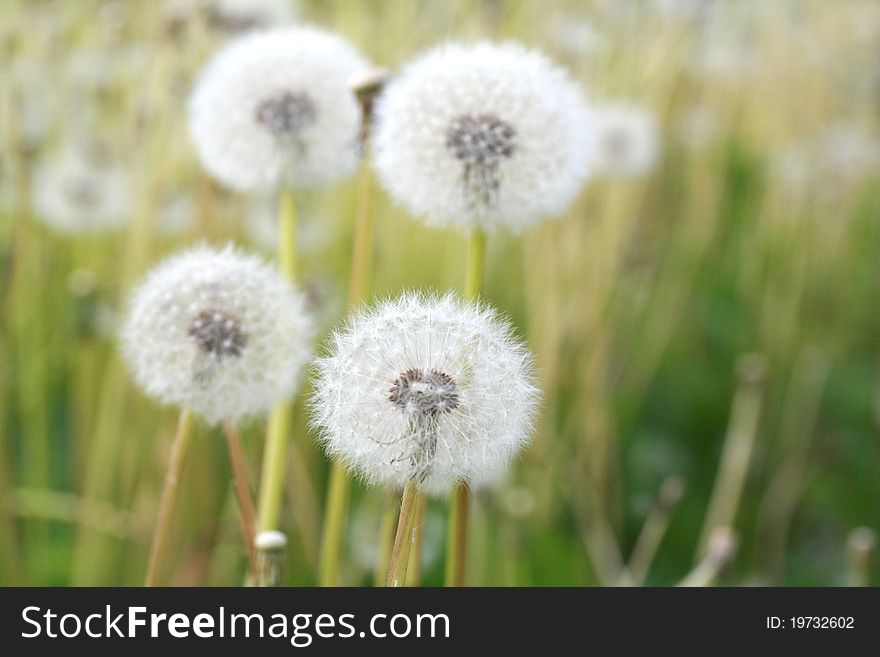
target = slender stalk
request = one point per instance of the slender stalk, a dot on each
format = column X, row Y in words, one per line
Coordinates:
column 476, row 258
column 456, row 539
column 275, row 452
column 737, row 451
column 162, row 533
column 334, row 522
column 287, row 243
column 338, row 484
column 403, row 538
column 386, row 538
column 274, row 466
column 241, row 483
column 414, row 575
column 653, row 530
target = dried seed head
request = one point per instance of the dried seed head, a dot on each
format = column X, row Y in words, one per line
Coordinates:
column 424, row 393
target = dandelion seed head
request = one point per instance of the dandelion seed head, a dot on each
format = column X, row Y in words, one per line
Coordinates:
column 274, row 107
column 482, row 136
column 426, row 388
column 82, row 189
column 627, row 139
column 218, row 331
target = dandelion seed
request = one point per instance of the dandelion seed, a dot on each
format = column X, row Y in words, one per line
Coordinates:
column 425, row 388
column 217, row 331
column 481, row 137
column 275, row 108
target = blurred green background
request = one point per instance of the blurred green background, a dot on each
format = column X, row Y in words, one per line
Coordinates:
column 706, row 333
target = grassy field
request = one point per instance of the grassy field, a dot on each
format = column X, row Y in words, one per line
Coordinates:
column 706, row 334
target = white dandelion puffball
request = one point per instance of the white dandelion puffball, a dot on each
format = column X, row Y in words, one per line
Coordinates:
column 482, row 136
column 244, row 15
column 82, row 190
column 627, row 139
column 275, row 108
column 425, row 388
column 217, row 331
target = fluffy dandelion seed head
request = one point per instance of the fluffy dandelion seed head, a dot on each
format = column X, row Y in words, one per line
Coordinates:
column 428, row 388
column 244, row 15
column 218, row 331
column 81, row 189
column 275, row 107
column 482, row 136
column 627, row 139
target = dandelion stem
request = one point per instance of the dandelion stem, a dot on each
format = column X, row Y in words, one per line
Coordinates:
column 287, row 233
column 414, row 574
column 334, row 521
column 161, row 535
column 274, row 462
column 456, row 540
column 476, row 257
column 338, row 486
column 737, row 451
column 241, row 482
column 275, row 453
column 386, row 537
column 403, row 538
column 653, row 531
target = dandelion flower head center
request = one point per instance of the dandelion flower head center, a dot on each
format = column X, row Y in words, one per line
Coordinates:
column 83, row 193
column 617, row 143
column 218, row 334
column 287, row 114
column 480, row 141
column 424, row 392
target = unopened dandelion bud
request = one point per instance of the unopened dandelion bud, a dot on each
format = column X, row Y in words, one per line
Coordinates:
column 427, row 389
column 861, row 546
column 271, row 548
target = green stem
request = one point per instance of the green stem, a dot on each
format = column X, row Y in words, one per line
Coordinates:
column 162, row 533
column 476, row 258
column 338, row 485
column 287, row 233
column 402, row 540
column 386, row 537
column 275, row 453
column 456, row 540
column 274, row 462
column 414, row 576
column 334, row 522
